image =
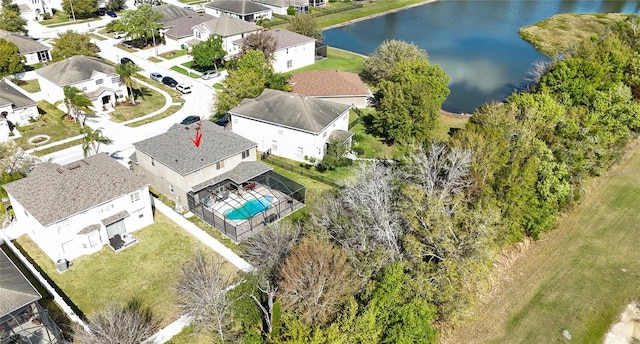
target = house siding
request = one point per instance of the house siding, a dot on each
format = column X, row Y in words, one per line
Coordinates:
column 299, row 55
column 53, row 92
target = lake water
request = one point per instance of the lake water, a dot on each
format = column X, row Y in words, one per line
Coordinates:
column 475, row 41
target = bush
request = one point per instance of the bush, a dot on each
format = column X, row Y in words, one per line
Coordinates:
column 291, row 11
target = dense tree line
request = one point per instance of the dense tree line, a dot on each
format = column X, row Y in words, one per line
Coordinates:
column 404, row 248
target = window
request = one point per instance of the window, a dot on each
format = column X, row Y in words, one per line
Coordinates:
column 115, row 80
column 135, row 197
column 84, row 88
column 220, row 164
column 274, row 145
column 153, row 162
column 324, row 134
column 99, row 82
column 289, row 63
column 245, row 154
column 198, row 34
column 287, row 50
column 170, row 188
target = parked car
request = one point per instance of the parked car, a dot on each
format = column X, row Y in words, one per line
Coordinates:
column 111, row 13
column 188, row 8
column 210, row 74
column 222, row 121
column 169, row 81
column 190, row 120
column 119, row 35
column 125, row 60
column 156, row 76
column 101, row 11
column 184, row 88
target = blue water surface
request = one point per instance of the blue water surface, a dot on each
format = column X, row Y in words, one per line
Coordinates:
column 249, row 209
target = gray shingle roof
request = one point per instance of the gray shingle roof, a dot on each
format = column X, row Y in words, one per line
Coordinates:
column 51, row 192
column 225, row 26
column 290, row 110
column 242, row 7
column 331, row 83
column 282, row 3
column 25, row 44
column 175, row 149
column 240, row 174
column 74, row 69
column 9, row 95
column 15, row 289
column 286, row 39
column 171, row 12
column 183, row 26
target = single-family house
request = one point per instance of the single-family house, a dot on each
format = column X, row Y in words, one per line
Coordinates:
column 229, row 29
column 15, row 109
column 74, row 209
column 293, row 50
column 334, row 85
column 36, row 9
column 177, row 23
column 316, row 3
column 281, row 6
column 290, row 125
column 22, row 319
column 97, row 79
column 243, row 9
column 30, row 50
column 214, row 173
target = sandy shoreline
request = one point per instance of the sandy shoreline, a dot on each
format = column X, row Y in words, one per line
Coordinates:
column 377, row 15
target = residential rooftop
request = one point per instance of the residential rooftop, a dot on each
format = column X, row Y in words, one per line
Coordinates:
column 328, row 83
column 226, row 26
column 241, row 7
column 24, row 43
column 74, row 69
column 11, row 96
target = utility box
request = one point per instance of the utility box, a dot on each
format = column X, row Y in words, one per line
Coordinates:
column 62, row 264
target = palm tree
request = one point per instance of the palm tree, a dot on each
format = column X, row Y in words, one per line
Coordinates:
column 76, row 103
column 126, row 72
column 92, row 140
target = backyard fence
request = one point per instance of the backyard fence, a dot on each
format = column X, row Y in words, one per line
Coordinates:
column 345, row 6
column 302, row 170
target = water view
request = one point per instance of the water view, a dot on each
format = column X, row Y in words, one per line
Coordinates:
column 475, row 41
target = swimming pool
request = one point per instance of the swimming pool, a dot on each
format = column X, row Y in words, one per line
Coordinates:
column 249, row 209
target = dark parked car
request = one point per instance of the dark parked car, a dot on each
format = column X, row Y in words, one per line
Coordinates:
column 125, row 60
column 169, row 81
column 222, row 121
column 111, row 14
column 190, row 120
column 101, row 11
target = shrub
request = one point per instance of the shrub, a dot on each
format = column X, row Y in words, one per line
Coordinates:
column 291, row 11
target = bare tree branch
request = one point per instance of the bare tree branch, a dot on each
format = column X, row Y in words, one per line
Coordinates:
column 117, row 324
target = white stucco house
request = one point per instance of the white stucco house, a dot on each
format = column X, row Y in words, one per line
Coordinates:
column 177, row 22
column 334, row 85
column 16, row 109
column 281, row 6
column 291, row 126
column 32, row 9
column 73, row 210
column 229, row 29
column 95, row 78
column 293, row 50
column 242, row 9
column 31, row 51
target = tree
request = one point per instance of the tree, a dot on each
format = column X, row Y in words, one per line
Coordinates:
column 262, row 41
column 334, row 157
column 10, row 62
column 92, row 139
column 206, row 54
column 71, row 43
column 14, row 159
column 126, row 72
column 382, row 62
column 305, row 24
column 76, row 103
column 116, row 5
column 410, row 101
column 202, row 293
column 130, row 324
column 10, row 18
column 81, row 8
column 141, row 23
column 315, row 280
column 247, row 80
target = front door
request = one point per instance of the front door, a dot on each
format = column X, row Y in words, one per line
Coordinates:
column 116, row 228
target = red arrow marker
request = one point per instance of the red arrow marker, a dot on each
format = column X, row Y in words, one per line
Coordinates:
column 196, row 141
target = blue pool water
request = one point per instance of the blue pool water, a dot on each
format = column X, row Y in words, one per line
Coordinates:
column 249, row 209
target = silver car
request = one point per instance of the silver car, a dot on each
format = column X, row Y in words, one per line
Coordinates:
column 210, row 74
column 156, row 76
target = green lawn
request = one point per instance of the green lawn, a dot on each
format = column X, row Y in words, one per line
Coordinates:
column 369, row 8
column 185, row 72
column 189, row 335
column 446, row 122
column 170, row 111
column 578, row 277
column 61, row 19
column 367, row 145
column 51, row 122
column 147, row 271
column 56, row 148
column 562, row 31
column 176, row 96
column 149, row 101
column 336, row 59
column 98, row 37
column 173, row 54
column 155, row 59
column 30, row 86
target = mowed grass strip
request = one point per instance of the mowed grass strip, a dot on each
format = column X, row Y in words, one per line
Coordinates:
column 561, row 32
column 577, row 278
column 146, row 271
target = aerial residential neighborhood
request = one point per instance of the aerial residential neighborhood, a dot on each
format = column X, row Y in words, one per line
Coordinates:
column 297, row 171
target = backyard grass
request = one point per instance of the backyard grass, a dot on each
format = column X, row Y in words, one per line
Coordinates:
column 51, row 122
column 189, row 335
column 146, row 271
column 577, row 278
column 446, row 122
column 56, row 148
column 369, row 8
column 367, row 145
column 30, row 86
column 173, row 54
column 185, row 72
column 337, row 59
column 150, row 101
column 562, row 31
column 170, row 111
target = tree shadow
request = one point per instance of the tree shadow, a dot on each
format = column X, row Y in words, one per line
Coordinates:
column 142, row 92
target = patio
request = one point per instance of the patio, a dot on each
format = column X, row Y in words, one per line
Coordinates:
column 30, row 324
